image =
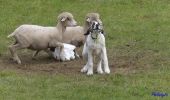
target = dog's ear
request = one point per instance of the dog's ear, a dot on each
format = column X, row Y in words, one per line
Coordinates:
column 52, row 49
column 102, row 31
column 87, row 33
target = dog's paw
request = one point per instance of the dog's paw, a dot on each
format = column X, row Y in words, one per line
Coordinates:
column 100, row 71
column 107, row 71
column 90, row 73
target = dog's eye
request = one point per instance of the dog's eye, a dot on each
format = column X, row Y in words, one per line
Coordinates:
column 68, row 18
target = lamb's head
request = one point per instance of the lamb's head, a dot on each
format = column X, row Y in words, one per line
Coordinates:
column 91, row 17
column 67, row 19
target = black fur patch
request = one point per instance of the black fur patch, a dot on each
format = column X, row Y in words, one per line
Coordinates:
column 88, row 32
column 52, row 49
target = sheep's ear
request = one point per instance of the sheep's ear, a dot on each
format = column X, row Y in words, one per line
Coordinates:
column 63, row 19
column 88, row 19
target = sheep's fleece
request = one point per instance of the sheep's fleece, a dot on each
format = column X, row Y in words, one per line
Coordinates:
column 68, row 52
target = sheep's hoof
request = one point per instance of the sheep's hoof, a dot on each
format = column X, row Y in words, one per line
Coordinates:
column 15, row 60
column 84, row 69
column 11, row 58
column 19, row 62
column 77, row 56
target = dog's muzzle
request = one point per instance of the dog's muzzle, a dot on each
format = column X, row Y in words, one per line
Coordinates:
column 95, row 33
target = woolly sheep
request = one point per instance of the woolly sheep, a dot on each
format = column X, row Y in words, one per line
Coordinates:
column 68, row 52
column 75, row 35
column 40, row 38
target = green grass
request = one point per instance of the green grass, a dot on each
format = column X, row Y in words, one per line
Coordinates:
column 138, row 32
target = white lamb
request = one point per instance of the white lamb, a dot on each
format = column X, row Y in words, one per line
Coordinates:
column 68, row 52
column 40, row 38
column 95, row 42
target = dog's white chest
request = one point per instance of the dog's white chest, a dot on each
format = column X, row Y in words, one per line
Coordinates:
column 96, row 43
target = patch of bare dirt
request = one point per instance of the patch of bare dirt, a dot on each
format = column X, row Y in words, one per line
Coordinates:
column 44, row 64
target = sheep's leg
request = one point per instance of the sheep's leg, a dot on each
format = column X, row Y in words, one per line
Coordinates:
column 76, row 54
column 84, row 69
column 105, row 61
column 90, row 63
column 49, row 52
column 13, row 49
column 61, row 46
column 35, row 54
column 84, row 53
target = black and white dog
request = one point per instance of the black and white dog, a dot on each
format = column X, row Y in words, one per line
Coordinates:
column 95, row 42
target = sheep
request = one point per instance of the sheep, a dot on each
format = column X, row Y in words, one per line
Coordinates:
column 68, row 52
column 95, row 43
column 75, row 35
column 39, row 38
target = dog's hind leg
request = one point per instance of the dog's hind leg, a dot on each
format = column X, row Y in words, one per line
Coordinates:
column 90, row 63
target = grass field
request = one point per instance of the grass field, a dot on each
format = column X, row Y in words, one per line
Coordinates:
column 138, row 45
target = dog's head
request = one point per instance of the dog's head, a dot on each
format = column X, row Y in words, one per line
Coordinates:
column 95, row 27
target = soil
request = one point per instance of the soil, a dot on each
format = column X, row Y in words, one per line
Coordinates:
column 44, row 64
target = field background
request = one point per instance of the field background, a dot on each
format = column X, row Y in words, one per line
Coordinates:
column 138, row 45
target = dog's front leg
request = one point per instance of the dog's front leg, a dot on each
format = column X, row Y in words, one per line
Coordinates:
column 90, row 63
column 105, row 61
column 99, row 67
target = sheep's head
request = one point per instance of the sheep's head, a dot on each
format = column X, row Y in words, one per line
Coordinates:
column 93, row 17
column 67, row 19
column 89, row 18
